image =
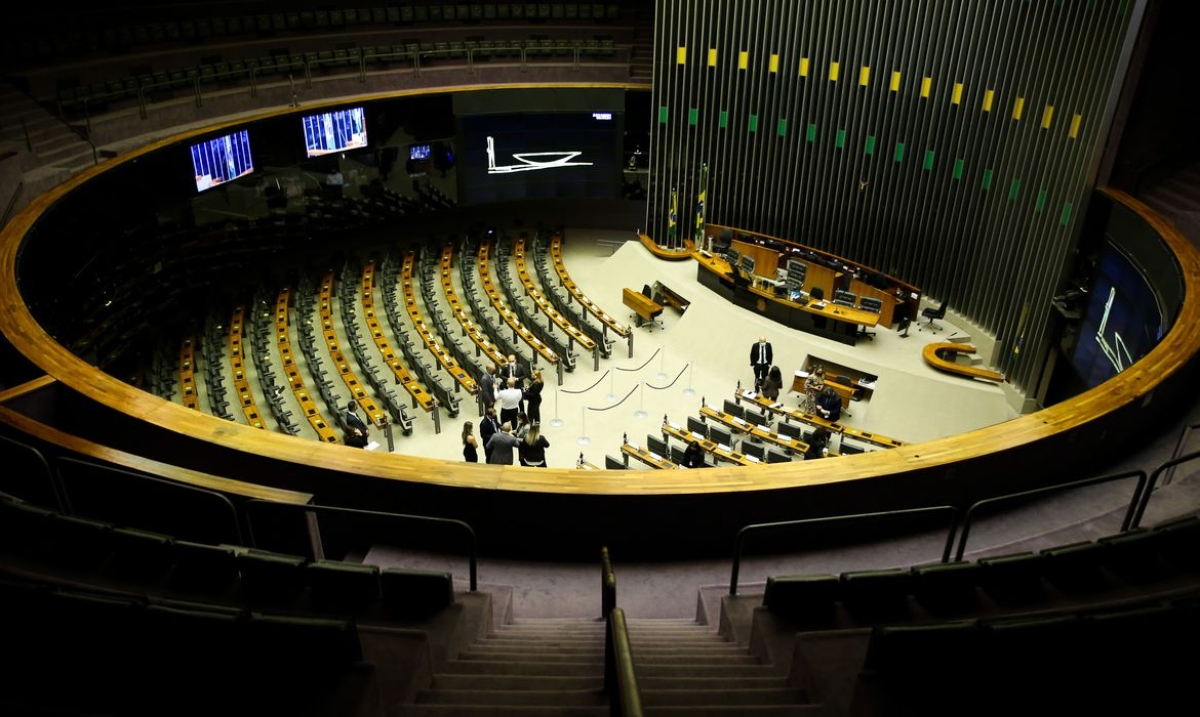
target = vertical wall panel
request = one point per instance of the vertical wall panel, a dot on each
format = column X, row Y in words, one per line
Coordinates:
column 999, row 107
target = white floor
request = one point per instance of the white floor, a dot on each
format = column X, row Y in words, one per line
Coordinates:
column 701, row 356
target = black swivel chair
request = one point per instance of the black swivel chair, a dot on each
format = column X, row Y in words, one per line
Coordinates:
column 654, row 320
column 875, row 306
column 932, row 314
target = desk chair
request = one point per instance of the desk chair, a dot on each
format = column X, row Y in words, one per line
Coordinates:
column 932, row 315
column 654, row 320
column 695, row 425
column 791, row 430
column 774, row 456
column 721, row 436
column 614, row 464
column 756, row 450
column 875, row 306
column 657, row 446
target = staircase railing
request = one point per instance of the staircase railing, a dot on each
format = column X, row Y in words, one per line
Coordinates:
column 1135, row 501
column 261, row 506
column 739, row 542
column 620, row 680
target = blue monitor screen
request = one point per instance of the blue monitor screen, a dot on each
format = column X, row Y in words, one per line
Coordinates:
column 1122, row 323
column 222, row 159
column 419, row 152
column 335, row 131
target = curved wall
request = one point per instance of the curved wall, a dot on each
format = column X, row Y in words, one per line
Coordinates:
column 565, row 511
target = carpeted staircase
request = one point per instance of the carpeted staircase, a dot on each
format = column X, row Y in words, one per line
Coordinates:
column 556, row 667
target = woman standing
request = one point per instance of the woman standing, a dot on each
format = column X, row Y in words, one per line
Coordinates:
column 772, row 384
column 470, row 446
column 812, row 389
column 533, row 398
column 533, row 447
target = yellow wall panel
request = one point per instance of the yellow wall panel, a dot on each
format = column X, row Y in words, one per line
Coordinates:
column 926, row 86
column 774, row 67
column 833, row 71
column 681, row 55
column 956, row 97
column 1075, row 122
column 712, row 57
column 988, row 98
column 1047, row 116
column 895, row 82
column 804, row 67
column 864, row 76
column 1018, row 108
column 743, row 60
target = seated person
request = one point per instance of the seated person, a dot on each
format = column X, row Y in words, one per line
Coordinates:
column 818, row 444
column 693, row 456
column 829, row 404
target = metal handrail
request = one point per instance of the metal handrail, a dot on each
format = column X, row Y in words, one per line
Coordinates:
column 1012, row 497
column 1133, row 518
column 473, row 556
column 739, row 542
column 620, row 679
column 608, row 585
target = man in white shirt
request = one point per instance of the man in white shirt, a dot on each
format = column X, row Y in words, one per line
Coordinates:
column 510, row 401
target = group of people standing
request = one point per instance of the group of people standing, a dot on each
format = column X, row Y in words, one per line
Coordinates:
column 517, row 427
column 819, row 398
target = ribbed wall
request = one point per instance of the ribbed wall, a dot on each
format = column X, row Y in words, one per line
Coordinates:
column 951, row 143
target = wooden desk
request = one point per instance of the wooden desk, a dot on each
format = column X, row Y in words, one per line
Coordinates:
column 670, row 297
column 709, row 446
column 834, row 322
column 817, row 421
column 645, row 456
column 751, row 429
column 935, row 355
column 646, row 309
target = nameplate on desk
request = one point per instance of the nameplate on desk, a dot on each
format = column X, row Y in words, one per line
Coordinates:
column 750, row 394
column 656, row 457
column 777, row 404
column 672, row 425
column 705, row 253
column 752, row 459
column 724, row 447
column 819, row 305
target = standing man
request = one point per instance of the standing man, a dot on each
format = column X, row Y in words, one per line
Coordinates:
column 487, row 388
column 510, row 401
column 515, row 370
column 356, row 427
column 761, row 357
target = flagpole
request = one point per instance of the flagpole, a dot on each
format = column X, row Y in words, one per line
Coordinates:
column 699, row 235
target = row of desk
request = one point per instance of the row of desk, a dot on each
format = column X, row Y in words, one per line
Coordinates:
column 439, row 352
column 482, row 343
column 573, row 333
column 777, row 407
column 420, row 396
column 240, row 384
column 187, row 372
column 333, row 344
column 283, row 341
column 510, row 318
column 607, row 320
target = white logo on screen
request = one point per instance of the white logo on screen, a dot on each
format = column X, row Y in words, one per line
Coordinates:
column 1117, row 355
column 556, row 160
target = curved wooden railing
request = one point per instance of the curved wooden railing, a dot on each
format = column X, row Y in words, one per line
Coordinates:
column 964, row 466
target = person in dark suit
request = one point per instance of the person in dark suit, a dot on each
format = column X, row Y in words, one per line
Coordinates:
column 772, row 384
column 513, row 369
column 487, row 387
column 487, row 426
column 761, row 357
column 693, row 455
column 533, row 397
column 829, row 404
column 356, row 427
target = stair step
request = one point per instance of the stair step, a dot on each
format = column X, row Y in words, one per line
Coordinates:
column 734, row 710
column 721, row 697
column 557, row 636
column 515, row 710
column 509, row 667
column 536, row 648
column 516, row 682
column 691, row 658
column 473, row 656
column 675, row 670
column 506, row 643
column 565, row 698
column 757, row 682
column 721, row 649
